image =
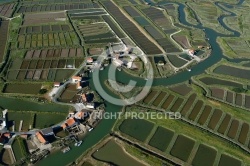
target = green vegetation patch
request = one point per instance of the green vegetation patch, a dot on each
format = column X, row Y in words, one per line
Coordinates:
column 43, row 120
column 205, row 156
column 106, row 153
column 19, row 148
column 33, row 119
column 27, row 88
column 228, row 161
column 176, row 61
column 63, row 74
column 182, row 147
column 16, row 117
column 20, row 105
column 161, row 138
column 137, row 128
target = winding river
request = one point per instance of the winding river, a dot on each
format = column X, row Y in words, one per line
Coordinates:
column 104, row 127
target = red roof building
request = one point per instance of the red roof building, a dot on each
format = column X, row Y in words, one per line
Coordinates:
column 76, row 78
column 69, row 122
column 40, row 137
column 90, row 60
column 79, row 115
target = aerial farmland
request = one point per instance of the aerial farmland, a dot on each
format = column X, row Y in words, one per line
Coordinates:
column 124, row 82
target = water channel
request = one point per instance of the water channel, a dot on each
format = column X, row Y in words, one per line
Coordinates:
column 104, row 127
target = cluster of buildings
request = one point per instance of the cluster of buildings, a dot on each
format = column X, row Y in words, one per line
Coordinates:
column 119, row 54
column 77, row 80
column 83, row 97
column 39, row 142
column 123, row 57
column 193, row 52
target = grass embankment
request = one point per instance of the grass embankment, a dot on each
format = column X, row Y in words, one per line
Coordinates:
column 225, row 47
column 190, row 16
column 13, row 36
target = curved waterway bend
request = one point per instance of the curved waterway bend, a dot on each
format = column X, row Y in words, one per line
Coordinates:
column 221, row 18
column 216, row 55
column 104, row 127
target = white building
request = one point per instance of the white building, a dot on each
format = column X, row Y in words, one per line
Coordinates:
column 56, row 84
column 90, row 105
column 3, row 120
column 117, row 62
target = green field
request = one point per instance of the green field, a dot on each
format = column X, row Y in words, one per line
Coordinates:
column 161, row 138
column 205, row 156
column 182, row 147
column 26, row 117
column 229, row 161
column 113, row 153
column 23, row 88
column 19, row 148
column 25, row 105
column 43, row 120
column 34, row 119
column 136, row 128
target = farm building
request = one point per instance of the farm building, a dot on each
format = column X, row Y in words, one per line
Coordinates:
column 69, row 122
column 73, row 126
column 160, row 63
column 191, row 52
column 129, row 65
column 76, row 79
column 118, row 62
column 78, row 85
column 95, row 117
column 40, row 138
column 90, row 60
column 118, row 48
column 90, row 105
column 40, row 141
column 80, row 115
column 56, row 84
